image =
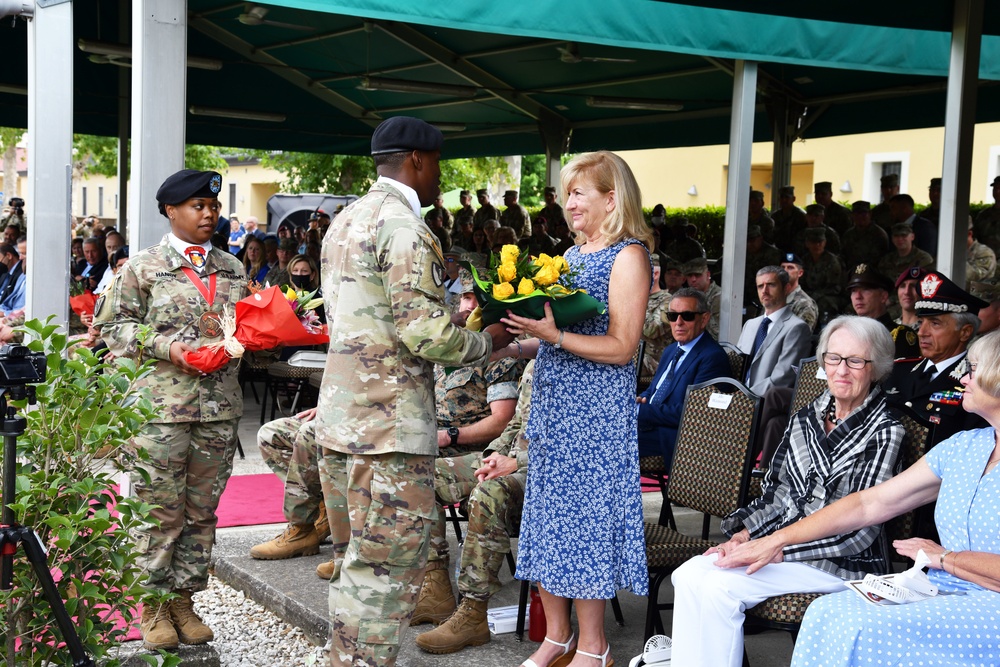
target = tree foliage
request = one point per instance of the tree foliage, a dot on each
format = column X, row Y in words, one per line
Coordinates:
column 93, row 155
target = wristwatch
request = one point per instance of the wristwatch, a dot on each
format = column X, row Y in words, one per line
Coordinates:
column 453, row 432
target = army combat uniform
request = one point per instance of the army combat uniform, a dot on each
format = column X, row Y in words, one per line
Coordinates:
column 803, row 306
column 383, row 275
column 517, row 218
column 463, row 396
column 192, row 440
column 656, row 331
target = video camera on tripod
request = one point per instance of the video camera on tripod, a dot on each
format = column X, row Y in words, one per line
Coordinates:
column 20, row 369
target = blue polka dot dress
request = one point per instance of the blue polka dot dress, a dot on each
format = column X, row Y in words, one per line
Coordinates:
column 964, row 630
column 581, row 528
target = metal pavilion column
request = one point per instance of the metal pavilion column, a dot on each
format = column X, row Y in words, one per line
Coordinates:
column 50, row 157
column 781, row 161
column 737, row 198
column 159, row 100
column 959, row 129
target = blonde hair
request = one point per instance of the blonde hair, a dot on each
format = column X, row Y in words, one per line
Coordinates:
column 985, row 353
column 607, row 172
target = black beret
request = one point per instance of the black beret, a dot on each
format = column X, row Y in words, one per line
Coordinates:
column 867, row 277
column 791, row 258
column 188, row 183
column 401, row 134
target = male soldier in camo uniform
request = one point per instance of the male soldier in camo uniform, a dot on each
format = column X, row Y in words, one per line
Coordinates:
column 515, row 215
column 788, row 219
column 288, row 446
column 803, row 306
column 656, row 329
column 865, row 242
column 881, row 214
column 493, row 484
column 700, row 278
column 824, row 276
column 987, row 224
column 466, row 214
column 179, row 289
column 835, row 216
column 383, row 278
column 486, row 210
column 980, row 260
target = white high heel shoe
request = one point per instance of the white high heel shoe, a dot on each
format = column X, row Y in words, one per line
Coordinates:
column 603, row 657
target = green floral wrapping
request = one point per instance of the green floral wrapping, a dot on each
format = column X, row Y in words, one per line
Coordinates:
column 569, row 306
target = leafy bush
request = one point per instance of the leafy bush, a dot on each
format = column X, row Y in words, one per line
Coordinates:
column 75, row 444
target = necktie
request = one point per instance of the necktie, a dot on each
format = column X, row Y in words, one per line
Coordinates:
column 661, row 391
column 757, row 342
column 928, row 373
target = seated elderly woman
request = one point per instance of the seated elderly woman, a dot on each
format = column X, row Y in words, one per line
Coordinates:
column 843, row 442
column 961, row 474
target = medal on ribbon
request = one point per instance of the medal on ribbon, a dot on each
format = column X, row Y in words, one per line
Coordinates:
column 210, row 322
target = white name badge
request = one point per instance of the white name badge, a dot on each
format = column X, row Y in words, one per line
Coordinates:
column 720, row 401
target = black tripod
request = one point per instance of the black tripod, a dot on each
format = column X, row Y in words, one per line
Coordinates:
column 12, row 534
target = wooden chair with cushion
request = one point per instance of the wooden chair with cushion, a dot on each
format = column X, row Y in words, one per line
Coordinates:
column 785, row 612
column 710, row 474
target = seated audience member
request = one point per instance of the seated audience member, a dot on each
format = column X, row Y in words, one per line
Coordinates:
column 564, row 237
column 656, row 329
column 77, row 262
column 490, row 228
column 904, row 255
column 788, row 219
column 929, row 385
column 700, row 278
column 989, row 317
column 864, row 243
column 503, row 236
column 112, row 242
column 473, row 408
column 777, row 340
column 842, row 442
column 692, row 358
column 816, row 219
column 290, row 449
column 11, row 233
column 255, row 258
column 97, row 263
column 980, row 260
column 285, row 250
column 492, row 483
column 15, row 286
column 684, row 247
column 435, row 222
column 955, row 627
column 757, row 215
column 802, row 305
column 760, row 253
column 672, row 275
column 869, row 291
column 823, row 276
column 907, row 293
column 540, row 241
column 925, row 231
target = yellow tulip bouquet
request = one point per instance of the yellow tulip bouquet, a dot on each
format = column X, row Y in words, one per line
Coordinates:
column 523, row 284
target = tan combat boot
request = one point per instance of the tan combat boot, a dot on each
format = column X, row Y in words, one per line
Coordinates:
column 328, row 570
column 466, row 627
column 437, row 600
column 156, row 627
column 295, row 541
column 322, row 524
column 190, row 628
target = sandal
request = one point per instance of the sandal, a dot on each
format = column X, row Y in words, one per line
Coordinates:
column 563, row 659
column 603, row 657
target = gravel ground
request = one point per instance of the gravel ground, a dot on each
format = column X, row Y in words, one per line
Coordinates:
column 248, row 635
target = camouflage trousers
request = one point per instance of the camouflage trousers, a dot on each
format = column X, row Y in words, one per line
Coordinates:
column 494, row 514
column 289, row 449
column 188, row 467
column 390, row 501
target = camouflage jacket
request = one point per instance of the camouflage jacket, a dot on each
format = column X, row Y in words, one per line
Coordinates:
column 517, row 218
column 987, row 227
column 152, row 290
column 656, row 330
column 892, row 264
column 803, row 306
column 463, row 396
column 980, row 263
column 864, row 245
column 714, row 296
column 484, row 213
column 512, row 442
column 383, row 284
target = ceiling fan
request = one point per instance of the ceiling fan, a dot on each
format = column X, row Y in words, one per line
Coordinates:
column 256, row 15
column 570, row 53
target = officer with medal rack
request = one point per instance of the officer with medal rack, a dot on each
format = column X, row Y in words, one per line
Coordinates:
column 179, row 289
column 929, row 384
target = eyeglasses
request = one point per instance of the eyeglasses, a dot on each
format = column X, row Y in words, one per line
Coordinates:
column 857, row 363
column 971, row 372
column 687, row 315
column 450, row 260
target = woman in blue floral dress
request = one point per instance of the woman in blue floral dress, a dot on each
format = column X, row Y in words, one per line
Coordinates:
column 581, row 529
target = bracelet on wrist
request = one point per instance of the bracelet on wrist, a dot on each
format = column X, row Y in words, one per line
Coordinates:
column 520, row 352
column 559, row 342
column 941, row 557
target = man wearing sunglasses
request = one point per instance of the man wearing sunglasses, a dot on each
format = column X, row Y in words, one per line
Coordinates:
column 692, row 358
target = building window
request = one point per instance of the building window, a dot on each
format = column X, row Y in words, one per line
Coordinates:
column 232, row 198
column 878, row 165
column 83, row 197
column 100, row 201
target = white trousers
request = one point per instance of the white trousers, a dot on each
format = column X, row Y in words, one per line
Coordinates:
column 709, row 605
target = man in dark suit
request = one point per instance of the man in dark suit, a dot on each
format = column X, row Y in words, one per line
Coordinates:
column 776, row 340
column 97, row 263
column 692, row 358
column 929, row 385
